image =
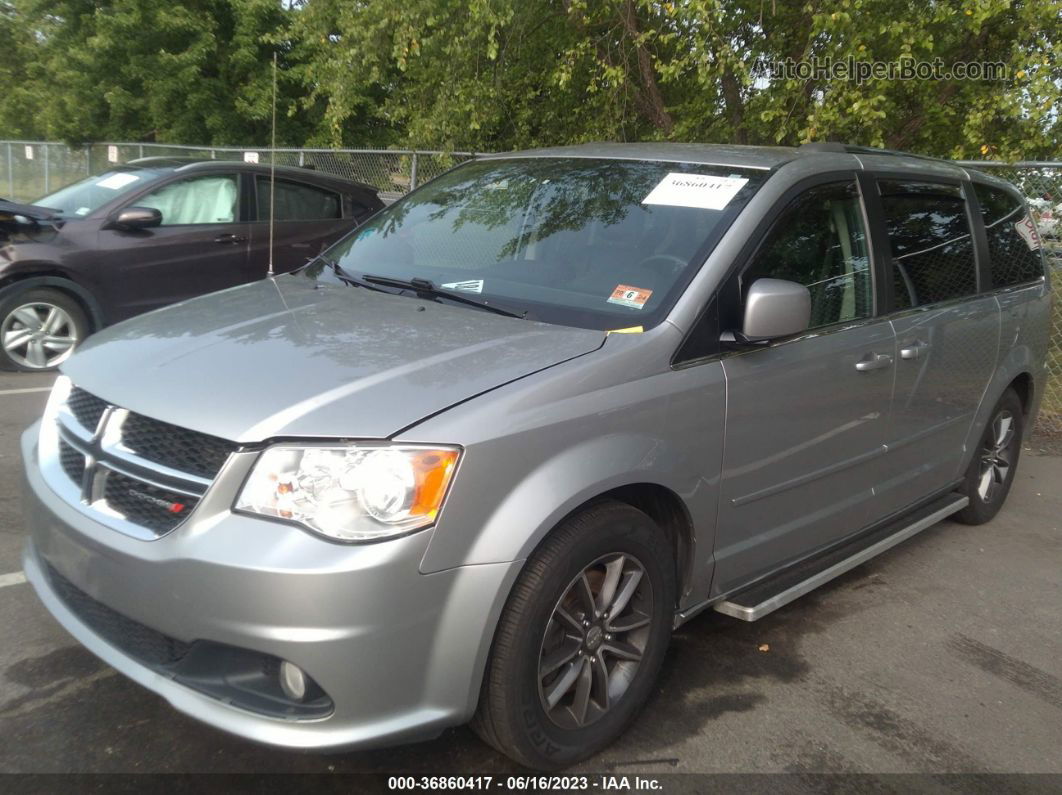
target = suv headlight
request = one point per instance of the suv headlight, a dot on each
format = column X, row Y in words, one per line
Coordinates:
column 350, row 492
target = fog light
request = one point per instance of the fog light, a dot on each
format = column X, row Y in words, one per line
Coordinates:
column 292, row 681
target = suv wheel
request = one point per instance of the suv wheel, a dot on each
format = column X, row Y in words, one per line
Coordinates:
column 39, row 329
column 581, row 639
column 991, row 473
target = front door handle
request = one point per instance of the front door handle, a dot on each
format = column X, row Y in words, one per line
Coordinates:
column 230, row 239
column 875, row 362
column 914, row 351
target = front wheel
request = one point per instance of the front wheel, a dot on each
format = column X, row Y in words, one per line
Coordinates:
column 39, row 329
column 581, row 639
column 991, row 473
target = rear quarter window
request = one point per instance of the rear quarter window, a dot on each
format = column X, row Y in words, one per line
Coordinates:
column 1013, row 258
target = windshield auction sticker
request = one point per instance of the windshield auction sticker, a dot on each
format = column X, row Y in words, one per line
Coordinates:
column 695, row 190
column 625, row 295
column 117, row 181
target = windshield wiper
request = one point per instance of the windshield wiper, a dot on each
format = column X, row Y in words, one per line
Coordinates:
column 343, row 276
column 425, row 289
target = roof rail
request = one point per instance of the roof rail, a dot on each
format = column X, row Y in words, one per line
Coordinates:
column 824, row 146
column 852, row 149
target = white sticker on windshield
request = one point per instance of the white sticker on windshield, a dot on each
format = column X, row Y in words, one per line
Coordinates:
column 82, row 211
column 1027, row 229
column 470, row 286
column 695, row 190
column 116, row 181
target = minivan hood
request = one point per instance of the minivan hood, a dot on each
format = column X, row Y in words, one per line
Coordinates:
column 290, row 357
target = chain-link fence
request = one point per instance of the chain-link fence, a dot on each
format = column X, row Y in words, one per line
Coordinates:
column 30, row 169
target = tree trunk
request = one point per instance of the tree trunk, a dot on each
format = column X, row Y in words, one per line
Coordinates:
column 735, row 107
column 648, row 97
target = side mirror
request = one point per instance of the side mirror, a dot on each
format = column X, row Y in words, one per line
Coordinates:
column 774, row 308
column 133, row 218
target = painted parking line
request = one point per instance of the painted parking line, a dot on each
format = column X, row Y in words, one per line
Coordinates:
column 25, row 391
column 14, row 578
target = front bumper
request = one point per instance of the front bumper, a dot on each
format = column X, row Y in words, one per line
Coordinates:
column 400, row 653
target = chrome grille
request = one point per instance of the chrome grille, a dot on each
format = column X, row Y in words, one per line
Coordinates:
column 72, row 461
column 86, row 408
column 141, row 476
column 178, row 448
column 158, row 509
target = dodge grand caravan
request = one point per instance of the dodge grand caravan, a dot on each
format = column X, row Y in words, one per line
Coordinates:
column 479, row 459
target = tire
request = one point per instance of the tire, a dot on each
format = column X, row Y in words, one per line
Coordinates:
column 605, row 546
column 39, row 329
column 991, row 472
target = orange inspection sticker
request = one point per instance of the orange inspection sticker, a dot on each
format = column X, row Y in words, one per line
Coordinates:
column 625, row 295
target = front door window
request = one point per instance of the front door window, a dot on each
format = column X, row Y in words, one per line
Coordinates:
column 821, row 243
column 198, row 200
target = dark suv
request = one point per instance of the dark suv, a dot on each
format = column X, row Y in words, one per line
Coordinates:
column 150, row 233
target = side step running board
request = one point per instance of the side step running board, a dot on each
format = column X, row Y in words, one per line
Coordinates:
column 764, row 598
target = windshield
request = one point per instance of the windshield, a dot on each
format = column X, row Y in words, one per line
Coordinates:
column 90, row 194
column 607, row 244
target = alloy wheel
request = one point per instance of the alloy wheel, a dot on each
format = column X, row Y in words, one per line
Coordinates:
column 38, row 335
column 997, row 455
column 595, row 640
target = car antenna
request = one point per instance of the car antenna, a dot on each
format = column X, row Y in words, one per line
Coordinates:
column 273, row 168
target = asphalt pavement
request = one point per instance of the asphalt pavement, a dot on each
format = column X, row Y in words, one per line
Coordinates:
column 944, row 655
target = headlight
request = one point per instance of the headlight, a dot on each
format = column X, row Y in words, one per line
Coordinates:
column 350, row 492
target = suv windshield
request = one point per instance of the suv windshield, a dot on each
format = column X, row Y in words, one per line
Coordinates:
column 604, row 244
column 90, row 194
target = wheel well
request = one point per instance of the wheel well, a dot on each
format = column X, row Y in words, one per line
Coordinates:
column 57, row 280
column 665, row 508
column 1023, row 385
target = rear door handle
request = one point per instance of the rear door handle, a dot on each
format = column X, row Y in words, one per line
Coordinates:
column 875, row 362
column 230, row 239
column 914, row 351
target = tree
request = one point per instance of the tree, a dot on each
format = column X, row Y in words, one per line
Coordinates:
column 513, row 73
column 190, row 72
column 18, row 101
column 503, row 74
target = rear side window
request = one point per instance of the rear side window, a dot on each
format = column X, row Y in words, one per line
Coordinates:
column 1014, row 258
column 821, row 243
column 929, row 236
column 298, row 202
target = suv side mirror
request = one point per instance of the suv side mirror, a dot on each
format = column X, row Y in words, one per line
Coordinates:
column 133, row 218
column 774, row 308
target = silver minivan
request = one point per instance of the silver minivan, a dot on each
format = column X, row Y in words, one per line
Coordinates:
column 477, row 460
